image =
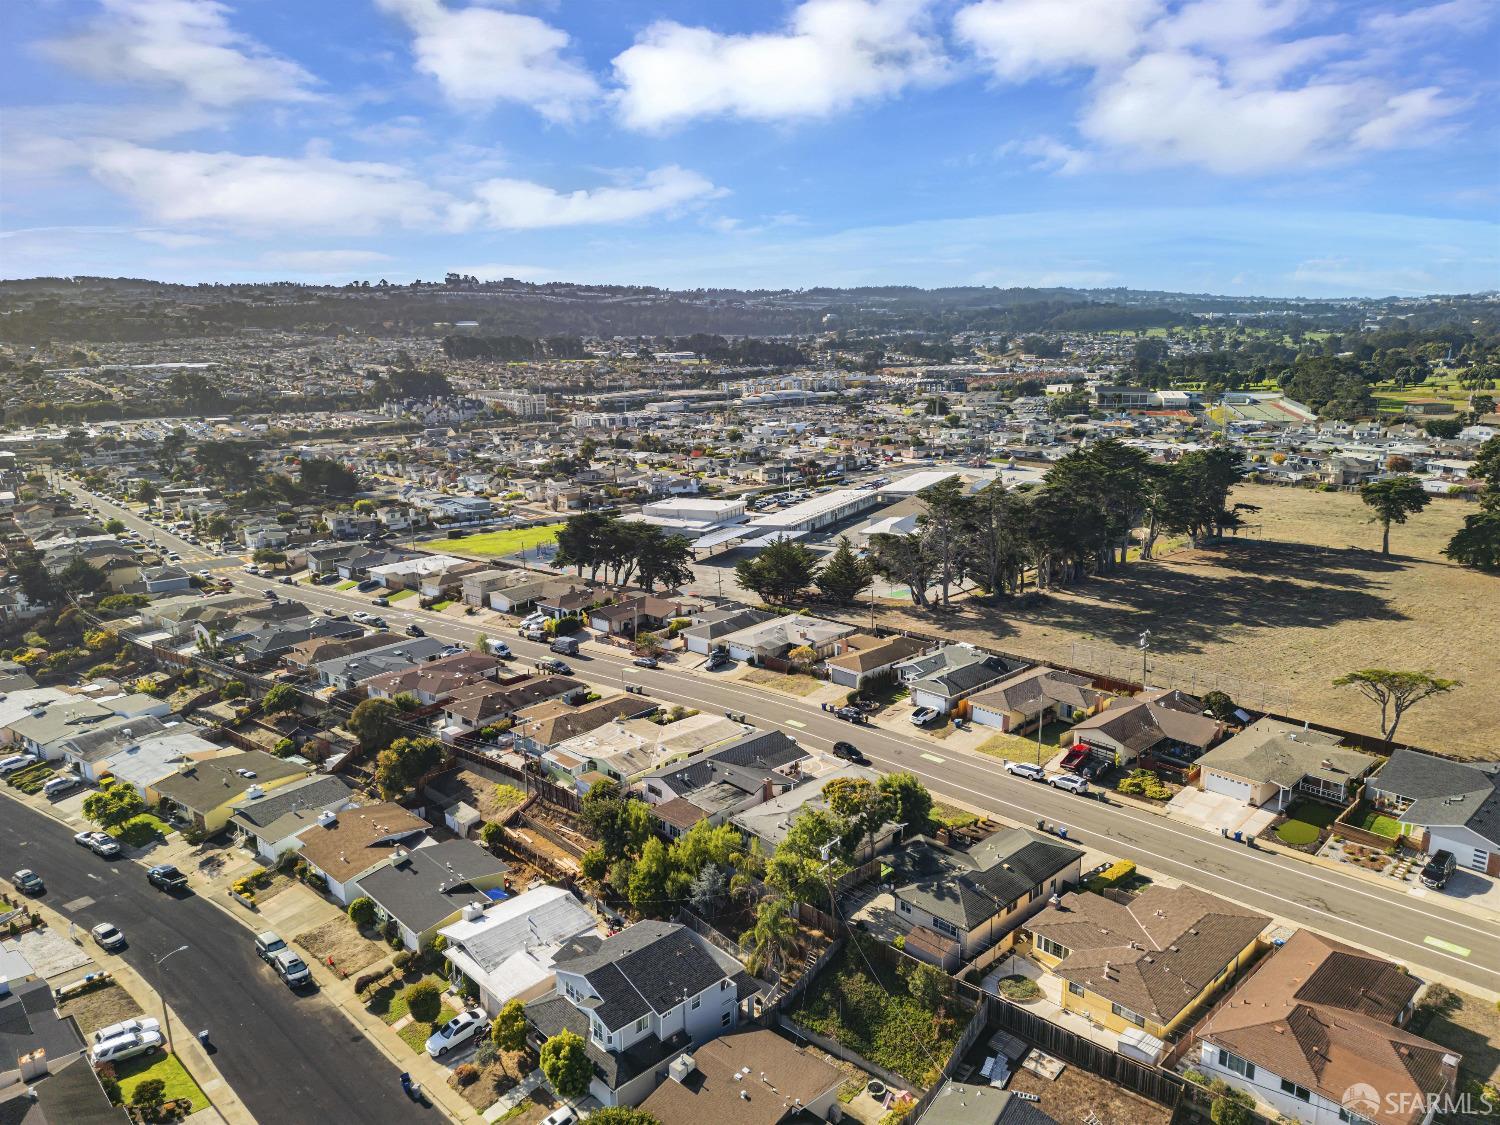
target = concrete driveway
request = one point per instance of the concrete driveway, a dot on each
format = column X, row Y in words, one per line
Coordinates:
column 1215, row 811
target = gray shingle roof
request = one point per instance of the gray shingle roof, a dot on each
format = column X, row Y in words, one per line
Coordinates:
column 431, row 883
column 967, row 888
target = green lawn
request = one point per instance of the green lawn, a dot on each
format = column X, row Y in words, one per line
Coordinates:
column 1304, row 823
column 1023, row 748
column 440, row 605
column 501, row 543
column 1380, row 824
column 394, row 1003
column 142, row 1068
column 400, row 595
column 349, row 585
column 416, row 1033
column 143, row 828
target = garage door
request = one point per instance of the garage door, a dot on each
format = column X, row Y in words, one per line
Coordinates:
column 1229, row 787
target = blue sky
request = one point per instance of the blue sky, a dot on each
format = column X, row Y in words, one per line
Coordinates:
column 1286, row 147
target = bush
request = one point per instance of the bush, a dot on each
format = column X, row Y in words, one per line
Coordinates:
column 1144, row 783
column 424, row 1001
column 491, row 835
column 465, row 1074
column 362, row 912
column 149, row 1095
column 1019, row 988
column 1116, row 873
column 403, row 960
column 486, row 1053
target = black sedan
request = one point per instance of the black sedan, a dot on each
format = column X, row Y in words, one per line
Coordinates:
column 850, row 753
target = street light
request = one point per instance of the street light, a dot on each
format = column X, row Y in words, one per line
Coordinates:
column 166, row 1012
column 1145, row 643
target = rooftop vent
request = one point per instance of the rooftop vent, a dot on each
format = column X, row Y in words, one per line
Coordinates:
column 680, row 1067
column 328, row 818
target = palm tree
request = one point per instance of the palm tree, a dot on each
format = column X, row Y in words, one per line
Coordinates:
column 773, row 937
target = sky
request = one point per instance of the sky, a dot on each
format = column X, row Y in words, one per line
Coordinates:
column 1312, row 148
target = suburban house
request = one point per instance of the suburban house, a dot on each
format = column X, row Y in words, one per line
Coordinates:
column 209, row 792
column 347, row 672
column 640, row 999
column 718, row 1083
column 1270, row 762
column 1443, row 804
column 1034, row 696
column 627, row 748
column 355, row 841
column 478, row 585
column 971, row 900
column 272, row 822
column 770, row 820
column 268, row 644
column 964, row 1103
column 516, row 589
column 479, row 705
column 90, row 750
column 145, row 761
column 436, row 680
column 426, row 888
column 941, row 679
column 863, row 657
column 772, row 640
column 1147, row 966
column 412, row 572
column 712, row 627
column 1318, row 1021
column 508, row 948
column 302, row 656
column 1164, row 726
column 542, row 726
column 570, row 601
column 640, row 614
column 716, row 785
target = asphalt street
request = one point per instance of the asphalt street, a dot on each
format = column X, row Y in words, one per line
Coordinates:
column 1433, row 931
column 291, row 1057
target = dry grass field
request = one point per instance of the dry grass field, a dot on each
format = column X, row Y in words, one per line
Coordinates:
column 1275, row 614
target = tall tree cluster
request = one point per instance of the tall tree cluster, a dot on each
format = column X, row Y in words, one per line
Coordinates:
column 1477, row 543
column 1081, row 521
column 625, row 550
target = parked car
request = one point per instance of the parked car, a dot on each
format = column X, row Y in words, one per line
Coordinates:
column 104, row 845
column 378, row 623
column 108, row 936
column 17, row 762
column 456, row 1032
column 125, row 1047
column 718, row 659
column 1439, row 869
column 367, row 585
column 645, row 662
column 850, row 753
column 850, row 714
column 28, row 882
column 381, row 601
column 290, row 968
column 1072, row 783
column 415, row 630
column 556, row 667
column 61, row 784
column 269, row 595
column 137, row 1026
column 166, row 877
column 268, row 944
column 923, row 715
column 499, row 649
column 566, row 1115
column 361, row 615
column 286, row 580
column 568, row 646
column 1026, row 770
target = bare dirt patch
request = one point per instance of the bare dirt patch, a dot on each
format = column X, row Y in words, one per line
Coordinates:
column 1077, row 1095
column 492, row 799
column 1274, row 615
column 792, row 685
column 100, row 1008
column 340, row 940
column 501, row 1075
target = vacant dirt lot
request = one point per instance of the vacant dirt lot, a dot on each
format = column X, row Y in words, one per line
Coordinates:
column 340, row 940
column 94, row 1010
column 1273, row 616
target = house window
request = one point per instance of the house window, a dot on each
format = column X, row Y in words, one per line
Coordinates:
column 654, row 790
column 696, row 1001
column 905, row 907
column 1298, row 1092
column 1242, row 1067
column 943, row 927
column 726, row 1019
column 640, row 1024
column 1127, row 1015
column 1353, row 1118
column 1048, row 946
column 1075, row 989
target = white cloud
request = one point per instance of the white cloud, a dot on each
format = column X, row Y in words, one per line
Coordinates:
column 1021, row 39
column 1405, row 116
column 267, row 194
column 1225, row 24
column 259, row 192
column 831, row 55
column 508, row 204
column 1463, row 15
column 1048, row 154
column 480, row 56
column 1174, row 107
column 188, row 44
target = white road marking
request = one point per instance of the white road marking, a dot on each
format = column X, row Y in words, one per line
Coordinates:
column 933, row 758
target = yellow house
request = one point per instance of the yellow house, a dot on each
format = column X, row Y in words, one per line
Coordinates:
column 206, row 791
column 1151, row 964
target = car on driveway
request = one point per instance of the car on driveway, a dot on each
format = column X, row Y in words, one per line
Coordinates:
column 718, row 659
column 28, row 882
column 850, row 753
column 1026, row 770
column 268, row 944
column 123, row 1047
column 1071, row 783
column 108, row 936
column 291, row 968
column 923, row 715
column 137, row 1026
column 17, row 762
column 1439, row 869
column 566, row 1115
column 456, row 1032
column 165, row 877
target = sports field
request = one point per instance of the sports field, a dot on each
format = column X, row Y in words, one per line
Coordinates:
column 498, row 544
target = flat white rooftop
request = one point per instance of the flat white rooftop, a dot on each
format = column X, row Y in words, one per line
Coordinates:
column 799, row 514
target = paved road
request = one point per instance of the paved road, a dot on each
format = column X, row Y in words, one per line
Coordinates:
column 1399, row 925
column 291, row 1058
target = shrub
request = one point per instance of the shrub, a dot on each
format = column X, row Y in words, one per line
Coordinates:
column 1019, row 988
column 491, row 834
column 111, row 1086
column 465, row 1074
column 486, row 1053
column 1116, row 873
column 403, row 960
column 362, row 912
column 149, row 1095
column 424, row 1001
column 1144, row 783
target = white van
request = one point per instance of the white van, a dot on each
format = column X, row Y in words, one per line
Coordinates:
column 60, row 785
column 125, row 1047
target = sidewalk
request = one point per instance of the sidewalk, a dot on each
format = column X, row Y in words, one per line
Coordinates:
column 226, row 1104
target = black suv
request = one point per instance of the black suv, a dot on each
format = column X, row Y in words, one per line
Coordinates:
column 850, row 753
column 1438, row 869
